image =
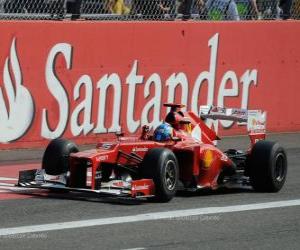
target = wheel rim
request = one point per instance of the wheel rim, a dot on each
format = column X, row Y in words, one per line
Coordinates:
column 280, row 167
column 170, row 175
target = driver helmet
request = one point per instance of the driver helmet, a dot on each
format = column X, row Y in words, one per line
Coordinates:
column 163, row 132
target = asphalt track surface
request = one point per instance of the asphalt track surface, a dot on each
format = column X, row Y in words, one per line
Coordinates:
column 223, row 219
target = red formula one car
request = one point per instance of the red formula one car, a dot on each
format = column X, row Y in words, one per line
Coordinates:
column 179, row 154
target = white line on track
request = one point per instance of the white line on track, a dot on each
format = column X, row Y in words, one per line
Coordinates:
column 137, row 248
column 6, row 184
column 5, row 187
column 147, row 217
column 8, row 188
column 8, row 179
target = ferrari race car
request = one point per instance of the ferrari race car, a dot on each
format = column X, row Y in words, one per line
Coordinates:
column 181, row 154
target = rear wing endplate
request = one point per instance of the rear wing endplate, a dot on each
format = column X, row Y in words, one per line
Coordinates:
column 254, row 119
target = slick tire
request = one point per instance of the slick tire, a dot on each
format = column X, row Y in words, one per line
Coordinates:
column 267, row 166
column 56, row 156
column 160, row 164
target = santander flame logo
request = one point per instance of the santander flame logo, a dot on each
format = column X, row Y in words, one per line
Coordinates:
column 17, row 112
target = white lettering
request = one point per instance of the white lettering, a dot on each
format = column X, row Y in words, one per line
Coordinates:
column 132, row 80
column 85, row 106
column 154, row 103
column 136, row 149
column 209, row 76
column 247, row 78
column 102, row 85
column 173, row 82
column 17, row 108
column 223, row 92
column 57, row 90
column 102, row 158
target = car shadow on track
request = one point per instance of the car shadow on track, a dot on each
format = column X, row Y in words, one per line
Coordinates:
column 219, row 191
column 46, row 194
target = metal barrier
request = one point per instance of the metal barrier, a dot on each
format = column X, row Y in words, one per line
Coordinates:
column 150, row 9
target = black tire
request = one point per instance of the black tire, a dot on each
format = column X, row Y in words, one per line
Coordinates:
column 267, row 166
column 160, row 164
column 56, row 156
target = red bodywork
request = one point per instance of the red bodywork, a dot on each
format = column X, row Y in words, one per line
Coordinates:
column 200, row 161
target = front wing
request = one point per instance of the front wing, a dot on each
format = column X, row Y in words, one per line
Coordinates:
column 37, row 178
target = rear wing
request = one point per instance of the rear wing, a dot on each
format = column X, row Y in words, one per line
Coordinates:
column 254, row 119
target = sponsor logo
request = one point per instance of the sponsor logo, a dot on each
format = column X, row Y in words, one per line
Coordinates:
column 102, row 158
column 74, row 107
column 256, row 121
column 106, row 145
column 142, row 187
column 98, row 174
column 208, row 158
column 143, row 149
column 118, row 183
column 16, row 114
column 224, row 158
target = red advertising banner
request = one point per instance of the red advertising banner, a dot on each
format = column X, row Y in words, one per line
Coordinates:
column 85, row 80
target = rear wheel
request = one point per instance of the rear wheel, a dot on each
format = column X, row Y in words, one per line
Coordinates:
column 160, row 164
column 267, row 166
column 56, row 156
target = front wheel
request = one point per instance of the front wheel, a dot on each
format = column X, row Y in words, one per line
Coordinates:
column 267, row 166
column 56, row 156
column 160, row 164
